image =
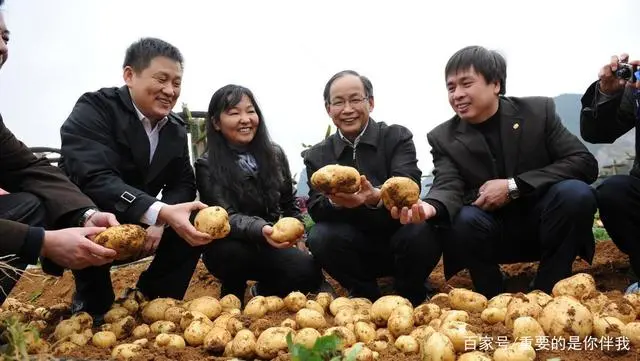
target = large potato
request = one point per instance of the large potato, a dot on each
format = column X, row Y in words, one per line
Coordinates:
column 520, row 306
column 256, row 307
column 407, row 344
column 307, row 337
column 287, row 230
column 595, row 302
column 580, row 286
column 383, row 306
column 338, row 303
column 154, row 310
column 607, row 327
column 216, row 339
column 399, row 192
column 424, row 313
column 518, row 351
column 244, row 344
column 335, row 178
column 364, row 332
column 229, row 302
column 539, row 297
column 500, row 301
column 208, row 305
column 126, row 239
column 438, row 348
column 466, row 300
column 295, row 301
column 194, row 334
column 565, row 317
column 272, row 341
column 527, row 326
column 632, row 331
column 307, row 318
column 460, row 334
column 622, row 310
column 401, row 321
column 493, row 315
column 213, row 221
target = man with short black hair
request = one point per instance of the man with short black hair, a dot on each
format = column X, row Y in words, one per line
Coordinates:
column 513, row 179
column 122, row 147
column 354, row 238
column 42, row 214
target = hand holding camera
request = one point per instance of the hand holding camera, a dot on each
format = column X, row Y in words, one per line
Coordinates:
column 619, row 73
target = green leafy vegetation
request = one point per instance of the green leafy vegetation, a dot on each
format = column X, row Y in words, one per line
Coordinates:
column 326, row 348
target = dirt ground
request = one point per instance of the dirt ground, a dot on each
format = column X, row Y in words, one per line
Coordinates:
column 609, row 269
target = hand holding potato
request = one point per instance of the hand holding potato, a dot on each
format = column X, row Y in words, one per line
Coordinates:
column 336, row 178
column 177, row 217
column 367, row 194
column 418, row 213
column 153, row 236
column 267, row 231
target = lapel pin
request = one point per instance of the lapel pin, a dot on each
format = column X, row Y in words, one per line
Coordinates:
column 516, row 126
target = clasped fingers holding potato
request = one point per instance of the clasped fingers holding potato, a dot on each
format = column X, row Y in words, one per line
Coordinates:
column 417, row 213
column 177, row 217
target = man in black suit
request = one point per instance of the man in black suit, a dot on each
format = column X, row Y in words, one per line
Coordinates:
column 34, row 196
column 513, row 179
column 610, row 108
column 122, row 146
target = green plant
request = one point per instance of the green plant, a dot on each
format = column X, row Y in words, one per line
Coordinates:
column 18, row 336
column 326, row 348
column 308, row 222
column 600, row 234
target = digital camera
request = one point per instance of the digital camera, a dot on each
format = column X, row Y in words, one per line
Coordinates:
column 627, row 72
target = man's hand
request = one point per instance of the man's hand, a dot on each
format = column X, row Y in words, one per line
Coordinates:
column 154, row 234
column 493, row 194
column 609, row 83
column 367, row 194
column 267, row 231
column 418, row 213
column 72, row 249
column 102, row 219
column 3, row 192
column 177, row 217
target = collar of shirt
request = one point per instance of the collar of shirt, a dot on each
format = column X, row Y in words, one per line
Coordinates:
column 368, row 135
column 147, row 123
column 355, row 141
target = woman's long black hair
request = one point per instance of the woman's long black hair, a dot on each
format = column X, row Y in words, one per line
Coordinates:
column 224, row 170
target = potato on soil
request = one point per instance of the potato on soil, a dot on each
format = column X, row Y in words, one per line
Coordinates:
column 607, row 327
column 230, row 301
column 141, row 331
column 438, row 348
column 123, row 327
column 500, row 301
column 424, row 313
column 295, row 301
column 527, row 326
column 307, row 337
column 335, row 178
column 493, row 315
column 565, row 317
column 324, row 299
column 190, row 316
column 595, row 302
column 364, row 332
column 378, row 345
column 452, row 315
column 244, row 344
column 347, row 337
column 287, row 322
column 126, row 239
column 520, row 306
column 580, row 286
column 363, row 353
column 338, row 303
column 217, row 339
column 400, row 321
column 442, row 300
column 115, row 314
column 154, row 310
column 539, row 297
column 174, row 314
column 66, row 328
column 399, row 192
column 310, row 318
column 125, row 351
column 422, row 333
column 313, row 305
column 474, row 356
column 287, row 230
column 163, row 327
column 169, row 340
column 383, row 306
column 83, row 319
column 274, row 303
column 466, row 300
column 195, row 333
column 622, row 310
column 460, row 334
column 271, row 341
column 632, row 331
column 208, row 305
column 213, row 221
column 104, row 339
column 517, row 351
column 256, row 307
column 407, row 344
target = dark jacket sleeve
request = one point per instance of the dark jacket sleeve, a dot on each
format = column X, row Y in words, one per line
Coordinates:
column 570, row 159
column 91, row 159
column 604, row 121
column 288, row 205
column 448, row 185
column 183, row 188
column 242, row 226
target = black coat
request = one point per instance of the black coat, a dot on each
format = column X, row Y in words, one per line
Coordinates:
column 248, row 218
column 105, row 151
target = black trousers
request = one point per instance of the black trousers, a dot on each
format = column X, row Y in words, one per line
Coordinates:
column 168, row 275
column 551, row 228
column 355, row 259
column 619, row 203
column 24, row 208
column 278, row 271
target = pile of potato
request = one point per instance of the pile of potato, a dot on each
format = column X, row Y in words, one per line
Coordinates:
column 440, row 330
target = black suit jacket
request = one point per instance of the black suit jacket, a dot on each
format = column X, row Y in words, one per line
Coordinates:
column 105, row 151
column 537, row 148
column 22, row 171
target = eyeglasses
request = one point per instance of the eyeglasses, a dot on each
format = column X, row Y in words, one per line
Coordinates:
column 355, row 102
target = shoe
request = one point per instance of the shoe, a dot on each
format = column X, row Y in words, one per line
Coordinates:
column 78, row 305
column 633, row 288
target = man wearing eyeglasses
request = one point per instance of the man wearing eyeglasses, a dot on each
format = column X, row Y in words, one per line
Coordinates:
column 355, row 239
column 610, row 108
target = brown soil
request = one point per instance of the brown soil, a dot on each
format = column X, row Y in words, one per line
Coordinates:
column 609, row 269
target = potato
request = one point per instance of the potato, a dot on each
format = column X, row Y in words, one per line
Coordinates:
column 260, row 325
column 162, row 327
column 217, row 339
column 466, row 300
column 422, row 333
column 65, row 329
column 520, row 306
column 384, row 334
column 399, row 192
column 83, row 319
column 335, row 178
column 407, row 344
column 104, row 339
column 287, row 230
column 622, row 310
column 474, row 356
column 307, row 337
column 143, row 342
column 438, row 348
column 500, row 301
column 442, row 300
column 230, row 301
column 256, row 307
column 195, row 333
column 436, row 323
column 234, row 325
column 364, row 332
column 287, row 322
column 324, row 299
column 141, row 331
column 493, row 315
column 244, row 344
column 382, row 308
column 313, row 305
column 126, row 351
column 222, row 321
column 174, row 314
column 344, row 316
column 424, row 313
column 632, row 331
column 401, row 320
column 272, row 341
column 213, row 221
column 65, row 347
column 346, row 336
column 338, row 303
column 115, row 314
column 208, row 305
column 528, row 327
column 123, row 327
column 580, row 286
column 190, row 316
column 539, row 297
column 595, row 302
column 169, row 340
column 634, row 299
column 274, row 303
column 154, row 310
column 607, row 326
column 363, row 353
column 126, row 239
column 378, row 345
column 81, row 339
column 306, row 318
column 460, row 335
column 518, row 351
column 131, row 305
column 295, row 301
column 234, row 312
column 564, row 317
column 453, row 315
